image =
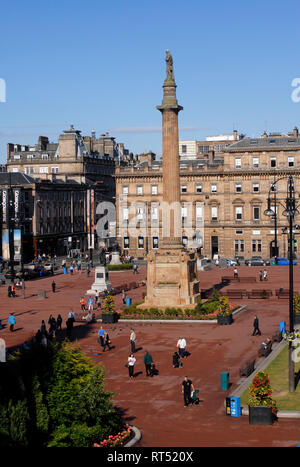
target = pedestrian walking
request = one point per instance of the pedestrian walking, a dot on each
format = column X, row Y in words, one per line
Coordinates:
column 13, row 290
column 11, row 321
column 43, row 328
column 82, row 304
column 52, row 328
column 123, row 297
column 59, row 322
column 132, row 340
column 256, row 329
column 181, row 345
column 148, row 362
column 135, row 268
column 187, row 388
column 101, row 334
column 69, row 324
column 53, row 286
column 98, row 301
column 71, row 315
column 90, row 304
column 265, row 275
column 131, row 362
column 235, row 273
column 260, row 275
column 9, row 291
column 106, row 342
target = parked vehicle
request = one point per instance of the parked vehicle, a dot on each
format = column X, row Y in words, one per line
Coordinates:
column 257, row 261
column 284, row 261
column 30, row 266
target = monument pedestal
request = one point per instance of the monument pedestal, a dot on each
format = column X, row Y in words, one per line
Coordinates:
column 102, row 282
column 115, row 258
column 171, row 279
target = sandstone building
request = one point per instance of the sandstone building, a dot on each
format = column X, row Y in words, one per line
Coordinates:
column 224, row 194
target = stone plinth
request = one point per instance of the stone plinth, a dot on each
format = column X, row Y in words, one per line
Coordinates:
column 115, row 258
column 102, row 282
column 171, row 279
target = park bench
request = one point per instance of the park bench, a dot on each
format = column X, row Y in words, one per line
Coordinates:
column 79, row 316
column 247, row 279
column 229, row 279
column 260, row 293
column 277, row 337
column 247, row 369
column 243, row 292
column 265, row 349
column 284, row 293
column 234, row 293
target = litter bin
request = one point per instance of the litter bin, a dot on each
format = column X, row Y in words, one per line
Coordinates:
column 128, row 301
column 224, row 380
column 235, row 406
column 282, row 327
column 65, row 270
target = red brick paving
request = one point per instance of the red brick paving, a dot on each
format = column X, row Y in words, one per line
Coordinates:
column 155, row 405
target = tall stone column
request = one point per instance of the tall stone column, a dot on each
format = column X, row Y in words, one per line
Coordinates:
column 171, row 271
column 170, row 157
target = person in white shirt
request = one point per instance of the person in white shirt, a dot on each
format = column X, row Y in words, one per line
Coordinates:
column 181, row 344
column 131, row 362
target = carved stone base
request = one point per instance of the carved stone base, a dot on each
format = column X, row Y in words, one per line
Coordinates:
column 101, row 281
column 171, row 279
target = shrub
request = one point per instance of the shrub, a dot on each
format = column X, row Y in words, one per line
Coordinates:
column 297, row 304
column 109, row 304
column 54, row 397
column 119, row 267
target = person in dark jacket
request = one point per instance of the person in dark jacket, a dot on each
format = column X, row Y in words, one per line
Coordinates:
column 58, row 322
column 256, row 329
column 69, row 323
column 176, row 360
column 148, row 362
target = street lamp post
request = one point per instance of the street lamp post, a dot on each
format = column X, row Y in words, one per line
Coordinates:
column 290, row 212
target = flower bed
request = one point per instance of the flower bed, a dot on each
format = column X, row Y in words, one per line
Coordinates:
column 117, row 440
column 260, row 393
column 202, row 311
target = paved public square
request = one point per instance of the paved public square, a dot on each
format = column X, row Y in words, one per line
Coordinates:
column 155, row 405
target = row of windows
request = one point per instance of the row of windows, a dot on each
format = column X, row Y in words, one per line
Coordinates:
column 239, row 245
column 42, row 170
column 140, row 211
column 255, row 162
column 198, row 188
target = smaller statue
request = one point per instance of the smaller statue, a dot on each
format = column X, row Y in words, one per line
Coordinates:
column 102, row 257
column 169, row 65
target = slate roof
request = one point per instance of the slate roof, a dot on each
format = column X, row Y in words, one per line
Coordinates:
column 268, row 143
column 15, row 178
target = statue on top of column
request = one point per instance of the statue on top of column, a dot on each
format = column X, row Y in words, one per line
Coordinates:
column 169, row 64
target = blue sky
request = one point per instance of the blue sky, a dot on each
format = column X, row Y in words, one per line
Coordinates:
column 100, row 65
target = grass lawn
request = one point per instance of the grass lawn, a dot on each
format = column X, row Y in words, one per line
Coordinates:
column 279, row 378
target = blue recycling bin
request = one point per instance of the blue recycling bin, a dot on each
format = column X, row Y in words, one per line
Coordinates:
column 282, row 327
column 235, row 407
column 224, row 380
column 128, row 301
column 65, row 271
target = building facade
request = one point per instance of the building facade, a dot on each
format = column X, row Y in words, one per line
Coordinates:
column 223, row 198
column 61, row 185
